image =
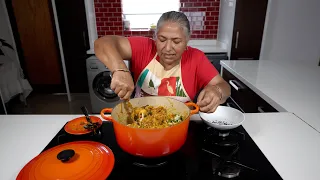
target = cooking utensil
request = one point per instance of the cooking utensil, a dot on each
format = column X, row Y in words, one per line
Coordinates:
column 70, row 161
column 85, row 112
column 224, row 118
column 77, row 126
column 150, row 142
column 92, row 126
column 129, row 109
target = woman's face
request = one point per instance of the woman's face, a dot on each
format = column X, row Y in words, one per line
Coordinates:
column 171, row 42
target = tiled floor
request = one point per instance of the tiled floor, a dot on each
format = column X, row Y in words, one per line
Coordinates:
column 52, row 104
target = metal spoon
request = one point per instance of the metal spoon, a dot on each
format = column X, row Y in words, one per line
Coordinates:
column 89, row 125
column 85, row 112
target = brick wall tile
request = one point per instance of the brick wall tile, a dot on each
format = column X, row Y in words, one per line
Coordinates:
column 99, row 14
column 104, row 19
column 108, row 24
column 100, row 24
column 98, row 5
column 117, row 5
column 107, row 5
column 117, row 14
column 207, row 4
column 108, row 14
column 105, row 28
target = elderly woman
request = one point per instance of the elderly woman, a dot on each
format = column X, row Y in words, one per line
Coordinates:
column 165, row 66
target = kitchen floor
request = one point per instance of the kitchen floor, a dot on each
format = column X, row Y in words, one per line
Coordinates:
column 52, row 104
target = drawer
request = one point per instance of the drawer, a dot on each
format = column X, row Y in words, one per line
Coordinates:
column 264, row 107
column 244, row 98
column 241, row 94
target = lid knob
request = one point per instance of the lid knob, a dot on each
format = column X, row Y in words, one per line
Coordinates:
column 65, row 155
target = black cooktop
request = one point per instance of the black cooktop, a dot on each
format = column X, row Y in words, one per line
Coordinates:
column 206, row 154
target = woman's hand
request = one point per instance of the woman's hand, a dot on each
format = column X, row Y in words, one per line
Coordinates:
column 122, row 84
column 209, row 99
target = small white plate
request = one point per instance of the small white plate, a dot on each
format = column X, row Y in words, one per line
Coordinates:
column 224, row 118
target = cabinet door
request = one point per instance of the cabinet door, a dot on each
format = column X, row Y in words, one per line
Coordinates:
column 248, row 29
column 215, row 59
column 75, row 43
column 241, row 95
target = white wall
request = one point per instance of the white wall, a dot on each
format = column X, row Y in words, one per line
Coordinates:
column 292, row 31
column 226, row 19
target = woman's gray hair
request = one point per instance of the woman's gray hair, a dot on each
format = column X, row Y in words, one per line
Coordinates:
column 176, row 17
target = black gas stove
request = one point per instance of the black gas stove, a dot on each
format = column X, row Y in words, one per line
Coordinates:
column 206, row 154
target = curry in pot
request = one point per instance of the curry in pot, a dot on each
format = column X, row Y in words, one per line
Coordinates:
column 153, row 117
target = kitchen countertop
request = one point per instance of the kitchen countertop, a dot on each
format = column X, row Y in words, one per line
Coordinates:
column 205, row 45
column 287, row 86
column 290, row 145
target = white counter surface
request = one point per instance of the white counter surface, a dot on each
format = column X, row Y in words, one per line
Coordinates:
column 205, row 45
column 291, row 86
column 290, row 145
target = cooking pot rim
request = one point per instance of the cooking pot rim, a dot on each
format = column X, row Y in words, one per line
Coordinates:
column 191, row 112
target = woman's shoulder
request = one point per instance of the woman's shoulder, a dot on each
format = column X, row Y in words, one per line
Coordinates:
column 142, row 45
column 136, row 40
column 193, row 55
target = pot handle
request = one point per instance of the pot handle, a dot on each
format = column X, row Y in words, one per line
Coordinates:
column 194, row 105
column 106, row 110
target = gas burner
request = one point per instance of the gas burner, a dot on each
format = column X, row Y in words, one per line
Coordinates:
column 229, row 171
column 150, row 163
column 224, row 133
column 145, row 165
column 222, row 138
column 225, row 169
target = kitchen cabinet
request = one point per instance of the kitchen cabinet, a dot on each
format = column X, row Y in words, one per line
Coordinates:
column 243, row 98
column 241, row 26
column 215, row 59
column 35, row 38
column 75, row 42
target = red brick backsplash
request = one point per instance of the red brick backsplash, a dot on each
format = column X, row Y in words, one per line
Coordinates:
column 202, row 14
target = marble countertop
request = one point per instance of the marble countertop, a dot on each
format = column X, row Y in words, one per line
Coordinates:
column 290, row 145
column 287, row 86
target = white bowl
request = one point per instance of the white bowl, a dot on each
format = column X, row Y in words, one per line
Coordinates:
column 224, row 118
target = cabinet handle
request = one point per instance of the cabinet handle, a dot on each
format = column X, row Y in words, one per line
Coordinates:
column 237, row 38
column 260, row 109
column 233, row 84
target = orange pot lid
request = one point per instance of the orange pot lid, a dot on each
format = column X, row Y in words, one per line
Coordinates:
column 70, row 161
column 76, row 126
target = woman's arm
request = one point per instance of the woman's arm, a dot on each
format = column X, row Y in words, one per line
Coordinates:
column 216, row 92
column 222, row 86
column 112, row 50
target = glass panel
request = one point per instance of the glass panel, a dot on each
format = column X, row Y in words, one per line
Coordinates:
column 142, row 13
column 149, row 6
column 142, row 21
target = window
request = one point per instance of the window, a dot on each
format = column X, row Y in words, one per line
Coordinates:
column 141, row 14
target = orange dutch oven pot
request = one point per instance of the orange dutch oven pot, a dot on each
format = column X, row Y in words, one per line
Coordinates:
column 150, row 143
